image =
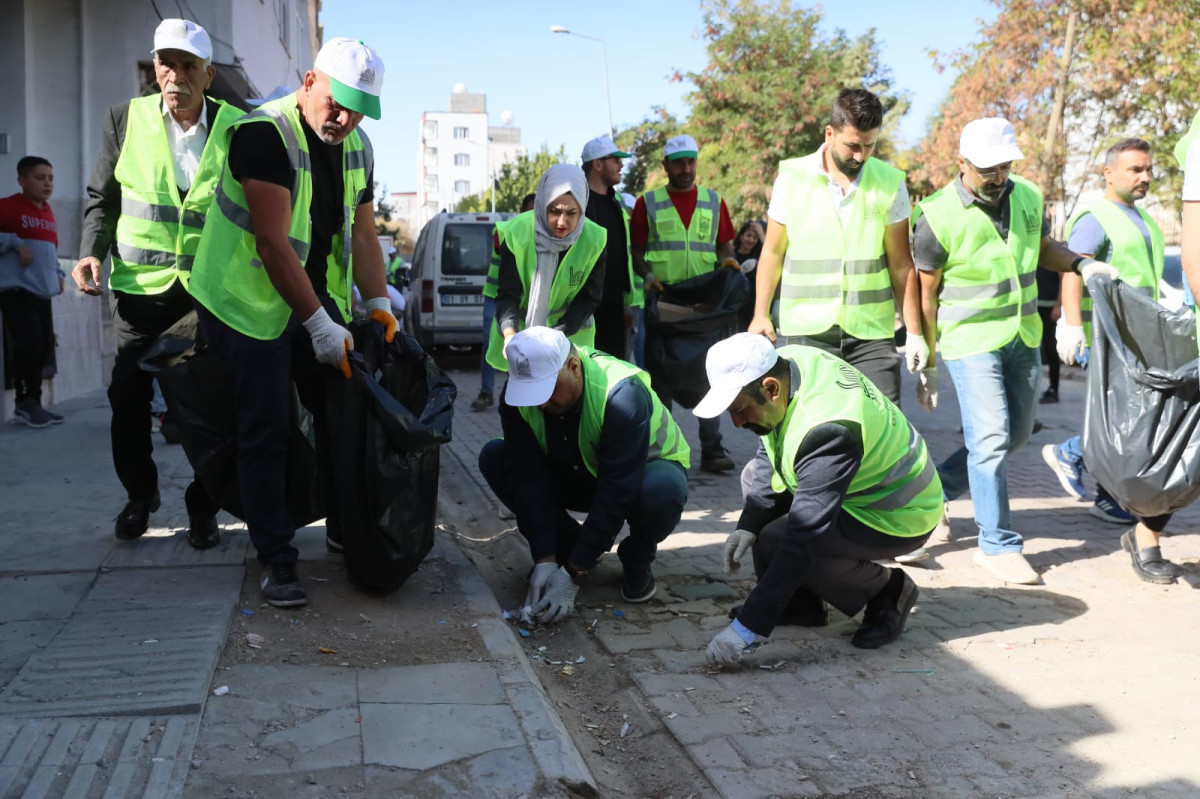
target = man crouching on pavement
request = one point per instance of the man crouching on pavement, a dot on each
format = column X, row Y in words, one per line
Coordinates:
column 840, row 480
column 584, row 432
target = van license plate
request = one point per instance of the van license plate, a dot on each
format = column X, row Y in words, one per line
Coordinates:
column 462, row 299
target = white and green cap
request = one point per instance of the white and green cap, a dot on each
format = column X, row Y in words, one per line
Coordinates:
column 355, row 74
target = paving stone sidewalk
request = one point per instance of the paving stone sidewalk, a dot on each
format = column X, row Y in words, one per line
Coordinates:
column 1082, row 686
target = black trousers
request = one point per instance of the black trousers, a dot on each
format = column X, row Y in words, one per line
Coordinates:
column 262, row 373
column 138, row 320
column 1049, row 351
column 878, row 360
column 612, row 337
column 29, row 331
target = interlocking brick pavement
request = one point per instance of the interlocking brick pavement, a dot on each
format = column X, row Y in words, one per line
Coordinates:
column 1082, row 686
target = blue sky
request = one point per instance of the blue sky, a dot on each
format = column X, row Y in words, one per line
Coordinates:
column 552, row 83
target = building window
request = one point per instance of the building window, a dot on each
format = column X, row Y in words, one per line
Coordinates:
column 461, row 132
column 430, row 156
column 462, row 159
column 285, row 35
column 431, row 183
column 431, row 128
column 462, row 187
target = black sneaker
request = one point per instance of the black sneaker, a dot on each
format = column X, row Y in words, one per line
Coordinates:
column 483, row 401
column 31, row 414
column 715, row 460
column 637, row 584
column 1049, row 396
column 55, row 418
column 281, row 587
column 886, row 614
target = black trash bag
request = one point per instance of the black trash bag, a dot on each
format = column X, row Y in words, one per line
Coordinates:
column 676, row 349
column 386, row 424
column 1141, row 430
column 199, row 393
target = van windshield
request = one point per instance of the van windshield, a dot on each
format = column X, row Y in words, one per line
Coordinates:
column 466, row 249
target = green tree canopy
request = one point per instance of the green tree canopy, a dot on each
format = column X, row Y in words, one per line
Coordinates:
column 768, row 90
column 514, row 180
column 644, row 141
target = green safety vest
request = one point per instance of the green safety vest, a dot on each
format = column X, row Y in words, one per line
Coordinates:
column 896, row 489
column 491, row 284
column 158, row 232
column 573, row 272
column 834, row 272
column 1138, row 269
column 393, row 267
column 635, row 297
column 601, row 374
column 675, row 253
column 229, row 278
column 989, row 286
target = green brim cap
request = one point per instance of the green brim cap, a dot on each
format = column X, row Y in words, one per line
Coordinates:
column 683, row 154
column 358, row 101
column 619, row 154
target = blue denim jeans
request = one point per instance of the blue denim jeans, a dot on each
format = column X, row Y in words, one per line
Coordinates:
column 639, row 337
column 997, row 394
column 487, row 375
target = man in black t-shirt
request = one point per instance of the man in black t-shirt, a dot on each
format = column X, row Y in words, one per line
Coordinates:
column 261, row 176
column 602, row 167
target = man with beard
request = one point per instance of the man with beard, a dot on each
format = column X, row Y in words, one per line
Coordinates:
column 292, row 229
column 1110, row 229
column 147, row 198
column 977, row 243
column 837, row 237
column 678, row 232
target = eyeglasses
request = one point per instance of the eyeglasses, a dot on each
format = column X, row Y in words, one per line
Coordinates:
column 994, row 172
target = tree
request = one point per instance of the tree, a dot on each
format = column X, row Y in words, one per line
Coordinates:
column 1131, row 70
column 767, row 91
column 644, row 142
column 515, row 180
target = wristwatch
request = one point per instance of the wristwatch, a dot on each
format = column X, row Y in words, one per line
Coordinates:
column 578, row 576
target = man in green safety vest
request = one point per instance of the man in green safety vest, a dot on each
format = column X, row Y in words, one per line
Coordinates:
column 397, row 275
column 678, row 232
column 837, row 237
column 977, row 243
column 584, row 432
column 1112, row 229
column 841, row 480
column 291, row 232
column 160, row 157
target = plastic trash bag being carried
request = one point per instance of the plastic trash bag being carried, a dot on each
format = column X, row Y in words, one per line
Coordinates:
column 1141, row 433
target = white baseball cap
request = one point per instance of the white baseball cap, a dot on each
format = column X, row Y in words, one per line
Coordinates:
column 601, row 147
column 681, row 147
column 182, row 34
column 732, row 365
column 355, row 74
column 535, row 357
column 989, row 141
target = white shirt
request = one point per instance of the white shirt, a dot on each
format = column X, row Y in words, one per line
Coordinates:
column 901, row 207
column 1191, row 173
column 186, row 145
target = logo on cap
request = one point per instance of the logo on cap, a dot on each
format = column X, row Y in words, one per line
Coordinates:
column 367, row 75
column 522, row 367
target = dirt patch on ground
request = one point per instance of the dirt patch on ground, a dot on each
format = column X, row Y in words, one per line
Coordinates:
column 342, row 626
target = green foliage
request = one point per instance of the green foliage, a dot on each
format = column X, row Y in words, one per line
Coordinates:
column 645, row 141
column 767, row 92
column 515, row 180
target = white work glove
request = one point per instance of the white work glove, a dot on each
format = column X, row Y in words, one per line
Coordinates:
column 728, row 646
column 539, row 579
column 916, row 353
column 735, row 548
column 330, row 341
column 927, row 388
column 559, row 599
column 1089, row 269
column 1068, row 340
column 380, row 310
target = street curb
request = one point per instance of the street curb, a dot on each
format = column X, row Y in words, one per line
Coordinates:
column 555, row 752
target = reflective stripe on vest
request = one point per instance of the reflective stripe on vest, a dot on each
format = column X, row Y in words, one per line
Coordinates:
column 989, row 287
column 673, row 252
column 896, row 489
column 227, row 276
column 573, row 272
column 834, row 271
column 1140, row 268
column 601, row 375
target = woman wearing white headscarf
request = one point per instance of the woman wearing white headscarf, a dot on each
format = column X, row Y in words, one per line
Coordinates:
column 551, row 265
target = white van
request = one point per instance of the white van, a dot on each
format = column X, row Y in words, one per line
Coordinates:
column 450, row 264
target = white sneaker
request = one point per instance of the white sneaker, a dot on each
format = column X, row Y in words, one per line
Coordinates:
column 941, row 533
column 1009, row 567
column 916, row 556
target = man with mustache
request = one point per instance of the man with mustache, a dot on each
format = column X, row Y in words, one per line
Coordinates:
column 977, row 243
column 1115, row 230
column 153, row 183
column 293, row 227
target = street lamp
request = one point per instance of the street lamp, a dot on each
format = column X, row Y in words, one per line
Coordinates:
column 603, row 62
